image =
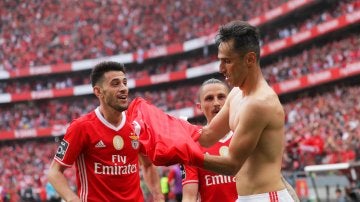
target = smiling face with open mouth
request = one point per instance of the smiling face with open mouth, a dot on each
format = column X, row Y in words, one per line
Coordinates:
column 115, row 90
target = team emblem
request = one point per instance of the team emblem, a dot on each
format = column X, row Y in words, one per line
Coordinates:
column 118, row 142
column 224, row 151
column 134, row 141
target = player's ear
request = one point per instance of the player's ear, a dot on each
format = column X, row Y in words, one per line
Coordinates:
column 97, row 91
column 198, row 105
column 250, row 58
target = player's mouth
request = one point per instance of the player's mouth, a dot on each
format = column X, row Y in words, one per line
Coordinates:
column 215, row 111
column 226, row 76
column 122, row 97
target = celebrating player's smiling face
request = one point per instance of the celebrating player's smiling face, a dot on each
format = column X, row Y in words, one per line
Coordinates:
column 115, row 90
column 212, row 98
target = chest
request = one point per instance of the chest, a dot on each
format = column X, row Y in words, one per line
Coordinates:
column 107, row 142
column 236, row 107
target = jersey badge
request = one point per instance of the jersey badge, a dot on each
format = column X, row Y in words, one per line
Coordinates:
column 224, row 151
column 118, row 142
column 134, row 140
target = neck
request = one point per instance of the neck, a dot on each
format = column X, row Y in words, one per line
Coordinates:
column 252, row 81
column 111, row 115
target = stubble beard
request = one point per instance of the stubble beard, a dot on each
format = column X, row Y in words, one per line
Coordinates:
column 117, row 106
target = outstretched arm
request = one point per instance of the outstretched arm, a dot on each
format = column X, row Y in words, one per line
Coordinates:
column 59, row 182
column 151, row 178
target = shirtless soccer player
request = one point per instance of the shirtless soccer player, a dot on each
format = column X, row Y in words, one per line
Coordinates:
column 254, row 113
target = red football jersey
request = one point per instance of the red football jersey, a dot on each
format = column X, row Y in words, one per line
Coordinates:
column 212, row 186
column 106, row 158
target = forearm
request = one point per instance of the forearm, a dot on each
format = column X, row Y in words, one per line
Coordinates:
column 60, row 184
column 220, row 164
column 152, row 180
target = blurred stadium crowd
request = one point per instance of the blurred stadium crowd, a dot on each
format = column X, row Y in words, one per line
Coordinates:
column 322, row 123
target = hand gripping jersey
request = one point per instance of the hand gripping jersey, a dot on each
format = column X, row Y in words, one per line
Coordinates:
column 166, row 140
column 106, row 158
column 212, row 186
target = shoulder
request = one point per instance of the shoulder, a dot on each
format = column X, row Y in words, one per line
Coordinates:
column 267, row 108
column 260, row 108
column 235, row 91
column 233, row 94
column 84, row 120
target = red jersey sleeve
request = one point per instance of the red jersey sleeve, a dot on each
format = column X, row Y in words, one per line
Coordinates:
column 190, row 175
column 72, row 144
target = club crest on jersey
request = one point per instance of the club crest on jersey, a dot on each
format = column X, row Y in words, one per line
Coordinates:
column 118, row 142
column 134, row 141
column 224, row 151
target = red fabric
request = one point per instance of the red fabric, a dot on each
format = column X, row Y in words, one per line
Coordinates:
column 166, row 140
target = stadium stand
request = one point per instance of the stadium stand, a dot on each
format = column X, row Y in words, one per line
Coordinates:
column 310, row 55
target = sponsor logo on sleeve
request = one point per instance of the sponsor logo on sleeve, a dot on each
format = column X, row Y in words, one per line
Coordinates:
column 183, row 172
column 62, row 149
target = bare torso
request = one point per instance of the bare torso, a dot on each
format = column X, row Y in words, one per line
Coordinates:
column 261, row 171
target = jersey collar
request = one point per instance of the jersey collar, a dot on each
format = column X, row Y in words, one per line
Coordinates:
column 106, row 123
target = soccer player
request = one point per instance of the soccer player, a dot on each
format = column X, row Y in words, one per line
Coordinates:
column 203, row 185
column 254, row 113
column 104, row 146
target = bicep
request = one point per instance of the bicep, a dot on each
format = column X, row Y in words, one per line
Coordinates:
column 248, row 130
column 190, row 192
column 56, row 172
column 220, row 123
column 57, row 167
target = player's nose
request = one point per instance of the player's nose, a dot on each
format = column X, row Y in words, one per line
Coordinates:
column 221, row 67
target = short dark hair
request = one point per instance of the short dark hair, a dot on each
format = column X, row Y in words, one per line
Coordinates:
column 246, row 37
column 100, row 69
column 211, row 81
